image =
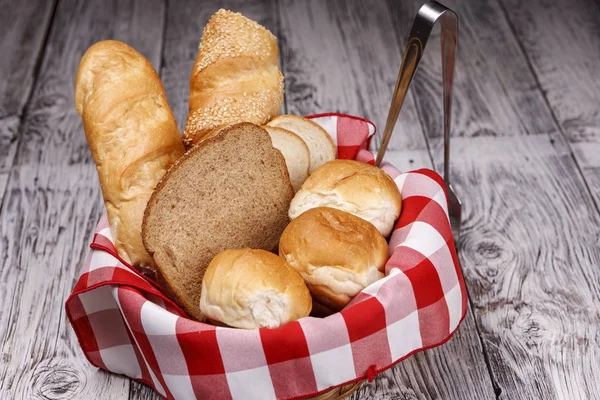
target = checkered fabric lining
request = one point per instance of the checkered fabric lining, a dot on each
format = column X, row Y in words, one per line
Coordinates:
column 127, row 326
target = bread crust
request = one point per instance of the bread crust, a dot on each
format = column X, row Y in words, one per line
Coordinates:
column 337, row 254
column 355, row 187
column 247, row 288
column 236, row 76
column 132, row 135
column 168, row 281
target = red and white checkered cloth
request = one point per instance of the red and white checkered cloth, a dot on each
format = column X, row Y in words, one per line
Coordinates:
column 127, row 326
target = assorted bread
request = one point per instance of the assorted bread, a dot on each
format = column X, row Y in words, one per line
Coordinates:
column 337, row 254
column 249, row 289
column 358, row 188
column 236, row 76
column 253, row 227
column 131, row 133
column 231, row 191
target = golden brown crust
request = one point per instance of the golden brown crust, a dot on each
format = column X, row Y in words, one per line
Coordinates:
column 355, row 187
column 336, row 253
column 247, row 288
column 132, row 135
column 236, row 77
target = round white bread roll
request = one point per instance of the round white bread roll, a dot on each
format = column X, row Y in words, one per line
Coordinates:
column 295, row 152
column 251, row 289
column 336, row 253
column 320, row 144
column 355, row 187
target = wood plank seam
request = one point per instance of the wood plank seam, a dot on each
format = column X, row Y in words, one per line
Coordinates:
column 279, row 36
column 22, row 114
column 547, row 102
column 486, row 357
column 422, row 122
column 163, row 38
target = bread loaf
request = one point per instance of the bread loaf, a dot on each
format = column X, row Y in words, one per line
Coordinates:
column 236, row 76
column 356, row 187
column 131, row 133
column 230, row 191
column 294, row 150
column 251, row 289
column 337, row 254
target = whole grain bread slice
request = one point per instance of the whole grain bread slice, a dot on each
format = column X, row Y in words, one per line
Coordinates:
column 231, row 191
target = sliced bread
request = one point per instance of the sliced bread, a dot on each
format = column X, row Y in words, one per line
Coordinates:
column 231, row 191
column 295, row 152
column 320, row 144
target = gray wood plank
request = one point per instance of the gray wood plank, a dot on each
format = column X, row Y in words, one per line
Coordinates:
column 8, row 141
column 562, row 43
column 493, row 93
column 52, row 203
column 339, row 56
column 529, row 250
column 525, row 247
column 46, row 220
column 342, row 56
column 23, row 29
column 3, row 182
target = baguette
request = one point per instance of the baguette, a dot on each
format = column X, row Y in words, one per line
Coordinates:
column 236, row 77
column 132, row 136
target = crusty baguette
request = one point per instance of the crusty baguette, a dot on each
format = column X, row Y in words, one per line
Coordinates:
column 231, row 191
column 132, row 135
column 321, row 146
column 295, row 152
column 236, row 76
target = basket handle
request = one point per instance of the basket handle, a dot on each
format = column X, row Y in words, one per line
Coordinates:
column 426, row 18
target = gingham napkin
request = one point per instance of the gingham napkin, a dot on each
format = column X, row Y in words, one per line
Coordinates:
column 127, row 326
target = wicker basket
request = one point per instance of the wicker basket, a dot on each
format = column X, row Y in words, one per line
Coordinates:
column 340, row 392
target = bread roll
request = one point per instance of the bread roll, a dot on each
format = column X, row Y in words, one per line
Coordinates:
column 319, row 142
column 132, row 136
column 231, row 191
column 251, row 289
column 236, row 76
column 295, row 152
column 336, row 253
column 358, row 188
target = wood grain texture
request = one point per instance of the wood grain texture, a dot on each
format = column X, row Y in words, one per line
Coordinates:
column 493, row 92
column 337, row 57
column 529, row 241
column 529, row 246
column 51, row 205
column 23, row 29
column 342, row 56
column 8, row 141
column 44, row 232
column 561, row 40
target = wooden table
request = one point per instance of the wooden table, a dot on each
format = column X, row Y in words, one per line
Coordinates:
column 526, row 162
